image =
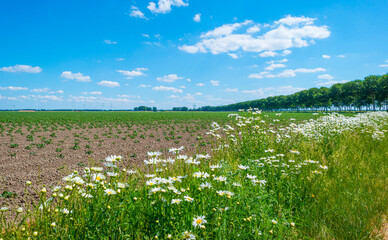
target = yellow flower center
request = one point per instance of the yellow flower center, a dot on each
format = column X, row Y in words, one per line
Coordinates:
column 98, row 178
column 199, row 221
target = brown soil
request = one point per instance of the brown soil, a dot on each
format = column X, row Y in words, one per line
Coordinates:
column 47, row 165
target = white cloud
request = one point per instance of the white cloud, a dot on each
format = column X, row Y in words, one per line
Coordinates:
column 274, row 91
column 268, row 54
column 341, row 56
column 59, row 91
column 164, row 6
column 135, row 12
column 197, row 17
column 21, row 68
column 163, row 88
column 235, row 56
column 92, row 93
column 120, row 59
column 77, row 76
column 326, row 56
column 11, row 88
column 105, row 83
column 110, row 42
column 384, row 65
column 128, row 96
column 200, row 84
column 231, row 90
column 286, row 52
column 47, row 97
column 214, row 82
column 330, row 83
column 253, row 29
column 275, row 65
column 224, row 30
column 189, row 80
column 169, row 78
column 286, row 33
column 286, row 73
column 198, row 94
column 134, row 73
column 144, row 86
column 291, row 21
column 99, row 99
column 37, row 90
column 325, row 77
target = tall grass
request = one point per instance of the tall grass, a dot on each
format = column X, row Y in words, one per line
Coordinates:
column 265, row 178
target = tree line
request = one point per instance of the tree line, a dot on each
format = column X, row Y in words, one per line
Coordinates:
column 358, row 95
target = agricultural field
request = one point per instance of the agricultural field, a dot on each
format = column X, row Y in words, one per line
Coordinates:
column 193, row 175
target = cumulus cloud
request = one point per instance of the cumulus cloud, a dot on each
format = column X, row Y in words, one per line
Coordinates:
column 11, row 88
column 164, row 6
column 110, row 42
column 77, row 76
column 214, row 82
column 47, row 97
column 128, row 96
column 197, row 17
column 253, row 29
column 384, row 65
column 289, row 32
column 330, row 83
column 233, row 55
column 135, row 12
column 92, row 93
column 37, row 90
column 200, row 84
column 286, row 73
column 341, row 56
column 326, row 56
column 273, row 91
column 231, row 90
column 169, row 78
column 144, row 85
column 21, row 68
column 268, row 54
column 272, row 66
column 134, row 73
column 163, row 88
column 325, row 77
column 105, row 83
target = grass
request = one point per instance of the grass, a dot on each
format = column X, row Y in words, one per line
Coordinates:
column 267, row 178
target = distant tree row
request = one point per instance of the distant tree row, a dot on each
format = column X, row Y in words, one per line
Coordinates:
column 180, row 109
column 144, row 108
column 368, row 94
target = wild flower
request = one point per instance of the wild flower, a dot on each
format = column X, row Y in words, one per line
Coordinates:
column 131, row 172
column 252, row 177
column 205, row 185
column 236, row 184
column 4, row 209
column 151, row 182
column 113, row 158
column 19, row 210
column 199, row 221
column 188, row 199
column 220, row 179
column 176, row 201
column 96, row 169
column 188, row 235
column 110, row 191
column 154, row 154
column 242, row 167
column 98, row 177
column 110, row 164
column 111, row 174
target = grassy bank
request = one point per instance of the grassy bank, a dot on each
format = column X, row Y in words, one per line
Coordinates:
column 266, row 177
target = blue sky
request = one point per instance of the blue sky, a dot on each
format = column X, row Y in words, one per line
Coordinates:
column 166, row 53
